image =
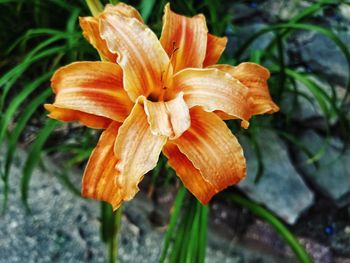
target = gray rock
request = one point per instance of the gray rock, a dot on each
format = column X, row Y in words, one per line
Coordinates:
column 345, row 11
column 281, row 189
column 335, row 66
column 333, row 175
column 65, row 228
column 308, row 107
column 341, row 243
column 261, row 234
column 283, row 9
column 241, row 11
column 240, row 34
column 318, row 252
column 60, row 228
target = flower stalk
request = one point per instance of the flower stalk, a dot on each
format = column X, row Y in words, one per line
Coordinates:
column 95, row 6
column 110, row 228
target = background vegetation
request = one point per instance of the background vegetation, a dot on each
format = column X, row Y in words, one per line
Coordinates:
column 37, row 37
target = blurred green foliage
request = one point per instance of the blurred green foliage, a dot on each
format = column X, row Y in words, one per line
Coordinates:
column 37, row 37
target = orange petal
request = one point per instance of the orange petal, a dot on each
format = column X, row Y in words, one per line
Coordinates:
column 137, row 150
column 93, row 88
column 92, row 34
column 214, row 151
column 184, row 39
column 100, row 173
column 189, row 175
column 123, row 10
column 215, row 47
column 255, row 78
column 67, row 115
column 144, row 62
column 214, row 90
column 169, row 118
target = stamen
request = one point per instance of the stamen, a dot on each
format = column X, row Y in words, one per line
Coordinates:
column 165, row 74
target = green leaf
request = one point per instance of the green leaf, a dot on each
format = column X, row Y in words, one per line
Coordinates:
column 270, row 218
column 146, row 7
column 172, row 224
column 33, row 158
column 18, row 100
column 15, row 134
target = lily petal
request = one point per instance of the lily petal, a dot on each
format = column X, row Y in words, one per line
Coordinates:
column 92, row 34
column 215, row 47
column 66, row 115
column 137, row 150
column 184, row 39
column 169, row 118
column 100, row 173
column 214, row 90
column 93, row 88
column 191, row 177
column 145, row 64
column 255, row 78
column 91, row 31
column 213, row 150
column 123, row 10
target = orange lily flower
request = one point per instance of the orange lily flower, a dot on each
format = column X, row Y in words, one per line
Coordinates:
column 155, row 95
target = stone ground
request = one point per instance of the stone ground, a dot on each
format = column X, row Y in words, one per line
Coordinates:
column 62, row 227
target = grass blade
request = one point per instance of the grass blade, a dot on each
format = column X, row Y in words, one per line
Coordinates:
column 14, row 136
column 17, row 101
column 34, row 157
column 146, row 7
column 172, row 224
column 270, row 218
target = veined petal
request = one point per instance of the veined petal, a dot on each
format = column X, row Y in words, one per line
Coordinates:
column 145, row 64
column 62, row 114
column 191, row 177
column 213, row 150
column 123, row 10
column 214, row 90
column 100, row 173
column 91, row 32
column 184, row 39
column 169, row 118
column 215, row 47
column 255, row 78
column 93, row 88
column 137, row 150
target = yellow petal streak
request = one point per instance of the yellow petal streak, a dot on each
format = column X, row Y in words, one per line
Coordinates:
column 214, row 151
column 215, row 47
column 214, row 90
column 92, row 87
column 184, row 39
column 255, row 78
column 169, row 118
column 140, row 55
column 100, row 173
column 137, row 150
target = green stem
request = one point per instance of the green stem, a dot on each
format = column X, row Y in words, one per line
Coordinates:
column 95, row 6
column 110, row 229
column 113, row 241
column 256, row 209
column 118, row 221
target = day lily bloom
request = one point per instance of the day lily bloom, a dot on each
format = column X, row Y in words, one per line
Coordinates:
column 152, row 95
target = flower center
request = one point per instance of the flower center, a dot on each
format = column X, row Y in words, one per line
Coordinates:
column 165, row 93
